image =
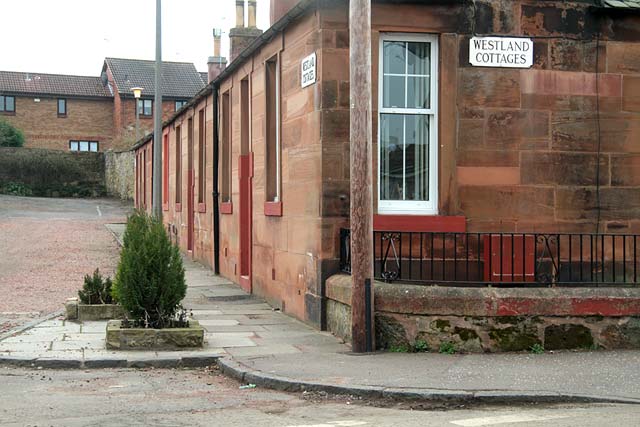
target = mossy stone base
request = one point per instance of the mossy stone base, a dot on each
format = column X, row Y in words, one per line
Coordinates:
column 119, row 338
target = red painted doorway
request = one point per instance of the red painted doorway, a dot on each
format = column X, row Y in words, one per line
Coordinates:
column 246, row 175
column 190, row 186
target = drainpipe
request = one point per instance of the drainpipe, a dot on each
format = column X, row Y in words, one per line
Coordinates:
column 216, row 193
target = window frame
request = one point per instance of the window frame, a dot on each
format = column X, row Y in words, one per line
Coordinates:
column 3, row 105
column 89, row 145
column 181, row 102
column 277, row 197
column 165, row 171
column 141, row 102
column 429, row 207
column 178, row 166
column 64, row 102
column 226, row 170
column 202, row 161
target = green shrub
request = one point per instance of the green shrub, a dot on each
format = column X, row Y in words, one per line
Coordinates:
column 10, row 136
column 149, row 281
column 16, row 189
column 536, row 349
column 96, row 290
column 447, row 348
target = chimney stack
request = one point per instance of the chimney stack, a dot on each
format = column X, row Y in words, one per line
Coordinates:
column 216, row 63
column 279, row 8
column 240, row 37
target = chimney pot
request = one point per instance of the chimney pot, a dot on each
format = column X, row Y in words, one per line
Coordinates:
column 252, row 13
column 239, row 13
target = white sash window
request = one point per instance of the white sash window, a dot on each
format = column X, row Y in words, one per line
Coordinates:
column 407, row 124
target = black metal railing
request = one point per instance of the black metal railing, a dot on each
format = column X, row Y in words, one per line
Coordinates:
column 501, row 259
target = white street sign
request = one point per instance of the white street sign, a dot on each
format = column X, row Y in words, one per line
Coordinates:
column 507, row 52
column 308, row 70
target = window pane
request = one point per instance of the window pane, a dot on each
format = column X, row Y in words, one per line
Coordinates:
column 393, row 92
column 1, row 103
column 417, row 157
column 391, row 156
column 73, row 146
column 93, row 146
column 147, row 107
column 418, row 89
column 139, row 106
column 418, row 58
column 62, row 106
column 394, row 57
column 10, row 103
column 84, row 146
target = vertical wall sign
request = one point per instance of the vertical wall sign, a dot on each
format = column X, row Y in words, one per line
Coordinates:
column 308, row 70
column 506, row 52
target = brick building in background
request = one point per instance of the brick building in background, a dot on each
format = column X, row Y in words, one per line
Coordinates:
column 58, row 111
column 83, row 113
column 180, row 82
column 462, row 151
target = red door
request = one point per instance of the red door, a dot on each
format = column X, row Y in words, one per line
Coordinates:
column 190, row 209
column 246, row 175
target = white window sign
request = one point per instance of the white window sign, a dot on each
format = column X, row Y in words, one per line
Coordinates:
column 501, row 52
column 308, row 70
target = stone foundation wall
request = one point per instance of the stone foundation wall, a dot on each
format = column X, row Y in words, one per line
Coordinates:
column 493, row 319
column 119, row 174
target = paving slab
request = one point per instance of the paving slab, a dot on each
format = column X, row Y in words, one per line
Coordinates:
column 254, row 343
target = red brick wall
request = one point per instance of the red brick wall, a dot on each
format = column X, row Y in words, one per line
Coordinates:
column 125, row 122
column 86, row 120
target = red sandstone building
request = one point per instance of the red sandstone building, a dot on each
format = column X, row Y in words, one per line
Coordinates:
column 83, row 113
column 493, row 162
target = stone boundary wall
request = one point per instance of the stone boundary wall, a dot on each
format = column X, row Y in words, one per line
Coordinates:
column 119, row 172
column 51, row 173
column 492, row 319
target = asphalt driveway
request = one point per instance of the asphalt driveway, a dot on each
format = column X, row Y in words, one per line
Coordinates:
column 46, row 247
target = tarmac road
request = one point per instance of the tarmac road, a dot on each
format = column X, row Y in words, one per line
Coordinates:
column 180, row 397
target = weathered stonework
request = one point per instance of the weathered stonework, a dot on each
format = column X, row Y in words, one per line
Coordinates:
column 485, row 319
column 119, row 338
column 83, row 312
column 119, row 172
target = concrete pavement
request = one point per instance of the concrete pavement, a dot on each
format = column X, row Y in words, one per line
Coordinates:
column 256, row 344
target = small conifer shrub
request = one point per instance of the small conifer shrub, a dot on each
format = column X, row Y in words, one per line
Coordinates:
column 149, row 281
column 96, row 290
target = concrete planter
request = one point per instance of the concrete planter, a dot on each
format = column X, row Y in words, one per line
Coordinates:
column 83, row 312
column 119, row 338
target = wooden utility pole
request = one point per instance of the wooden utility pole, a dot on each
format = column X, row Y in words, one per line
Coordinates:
column 361, row 164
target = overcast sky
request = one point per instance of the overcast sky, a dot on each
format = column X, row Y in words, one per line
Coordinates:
column 74, row 36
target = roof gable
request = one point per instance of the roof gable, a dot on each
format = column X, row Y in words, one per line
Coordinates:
column 179, row 79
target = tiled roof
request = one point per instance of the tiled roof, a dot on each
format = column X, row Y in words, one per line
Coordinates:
column 179, row 79
column 51, row 84
column 621, row 4
column 204, row 77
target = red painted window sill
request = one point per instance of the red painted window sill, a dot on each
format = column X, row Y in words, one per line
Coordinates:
column 273, row 208
column 418, row 223
column 202, row 207
column 178, row 207
column 165, row 206
column 226, row 208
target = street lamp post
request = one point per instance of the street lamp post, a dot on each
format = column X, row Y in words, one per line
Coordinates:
column 137, row 91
